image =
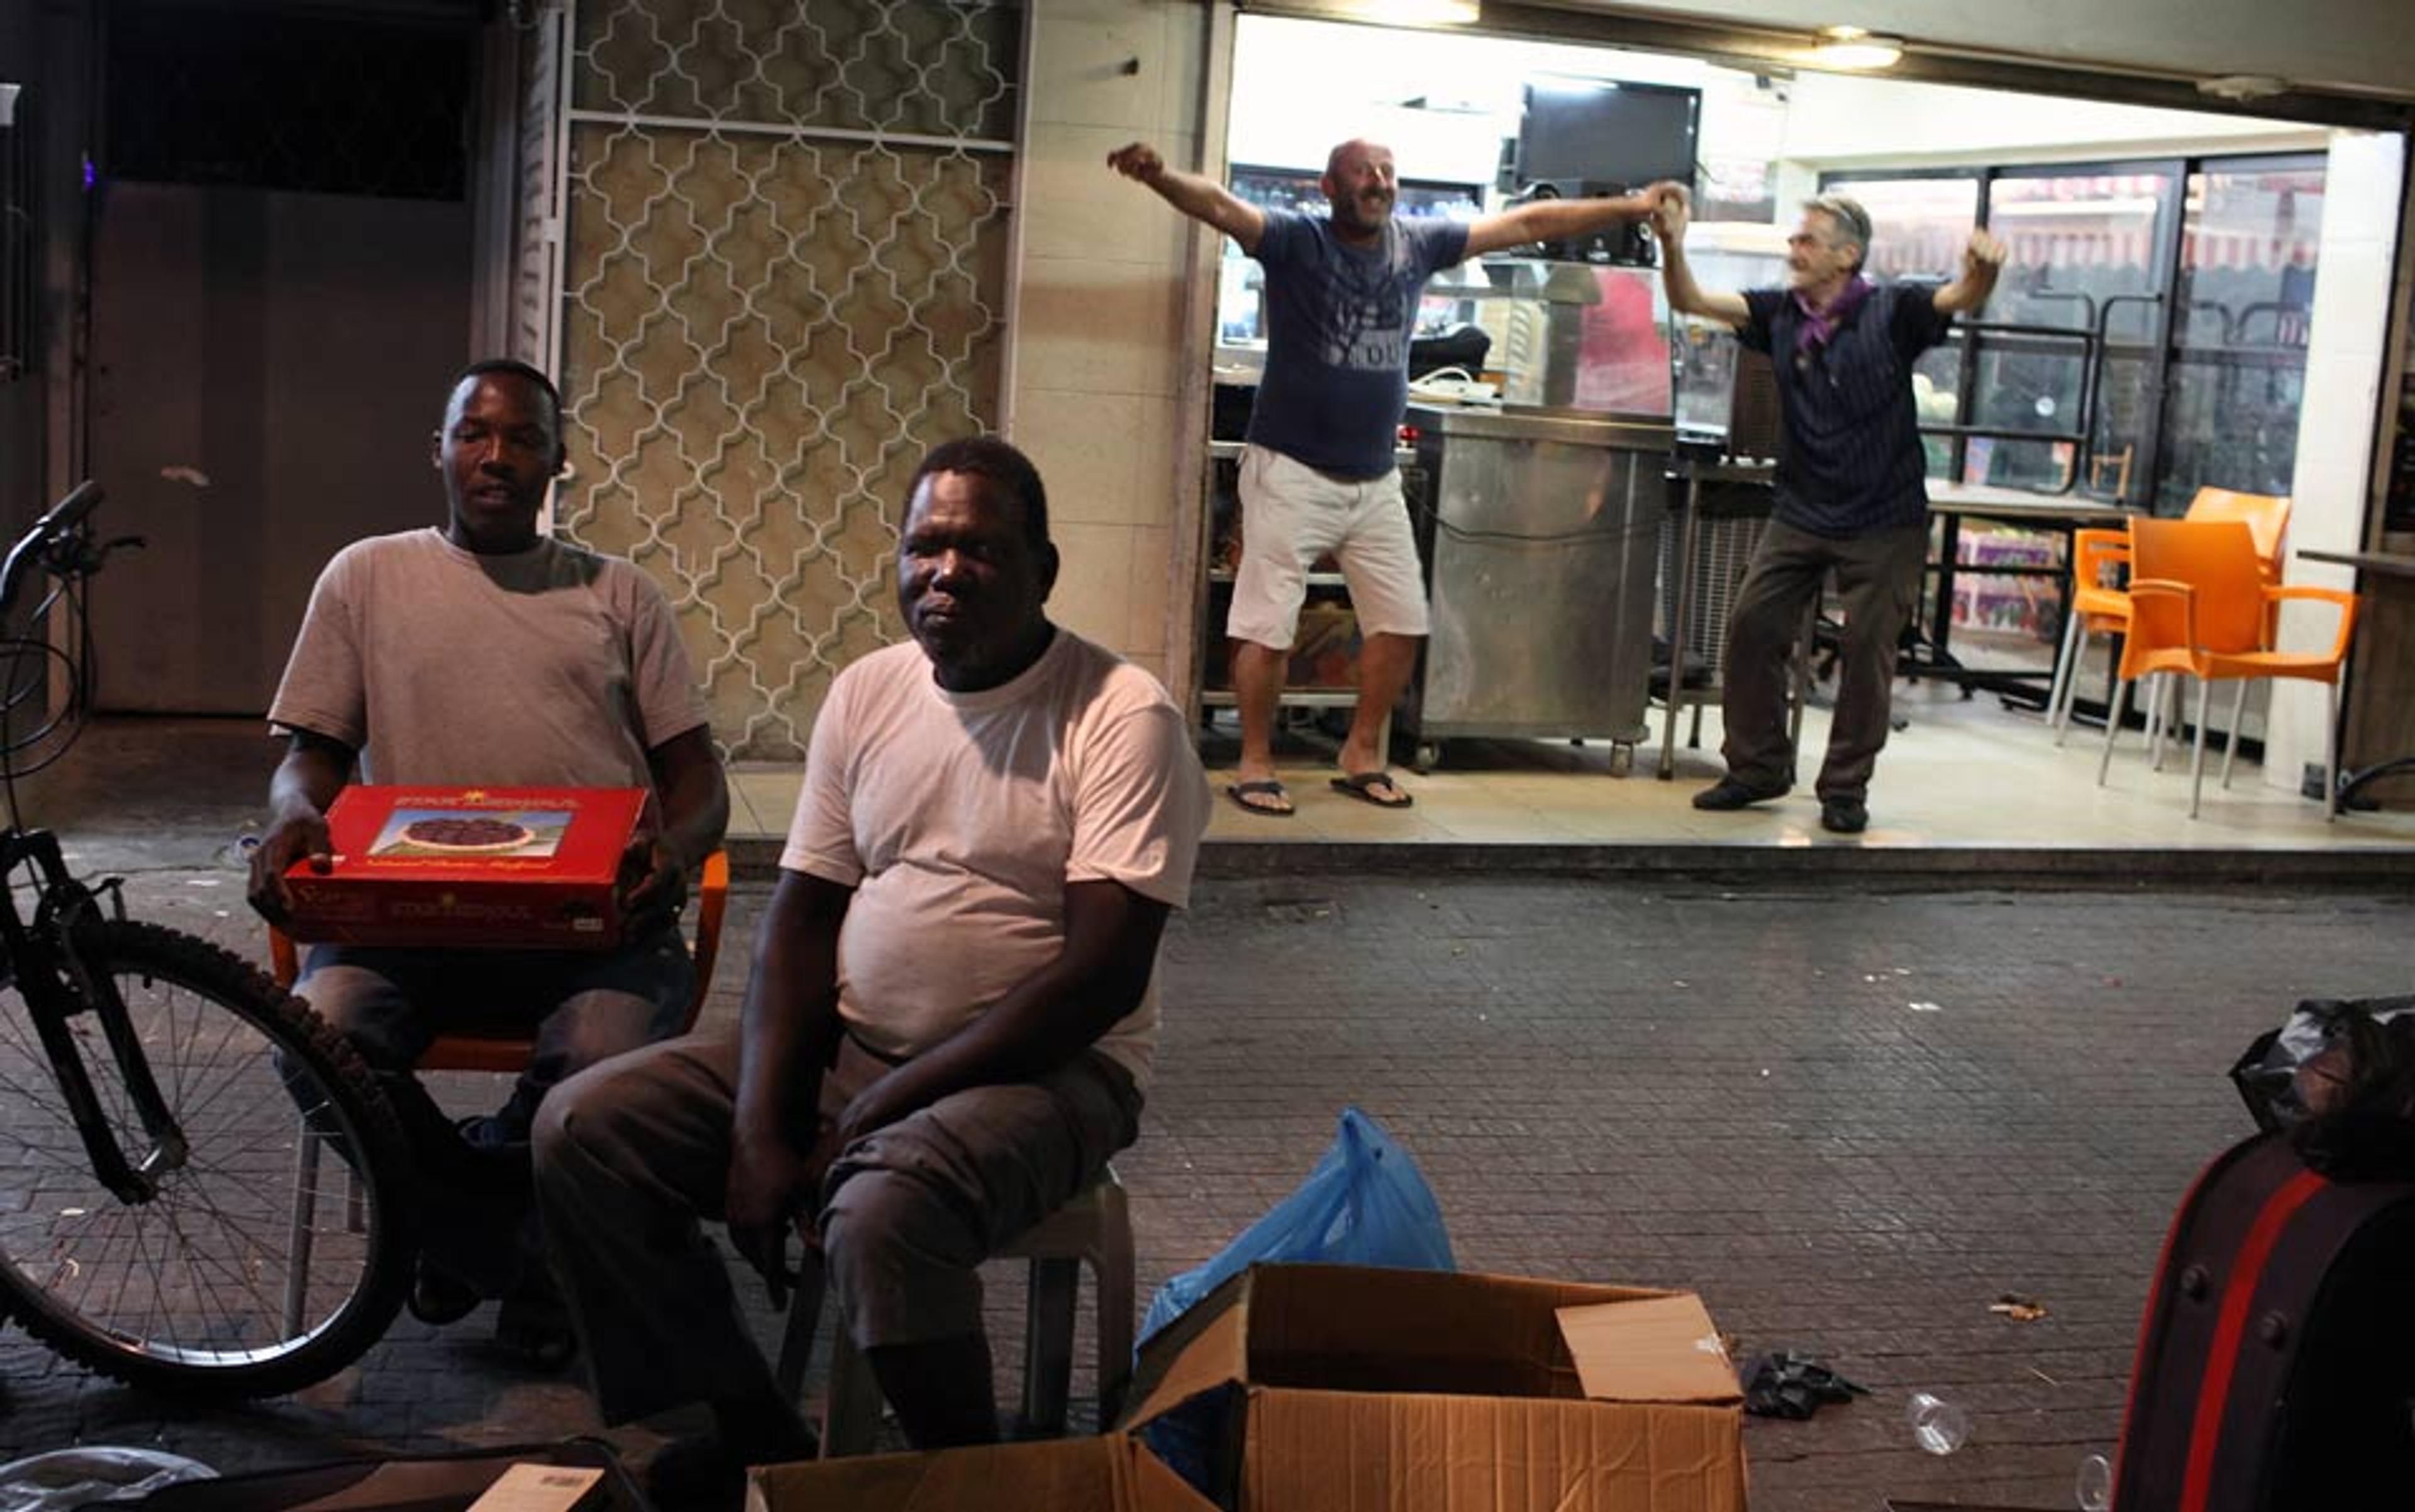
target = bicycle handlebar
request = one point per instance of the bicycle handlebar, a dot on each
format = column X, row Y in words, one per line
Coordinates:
column 65, row 517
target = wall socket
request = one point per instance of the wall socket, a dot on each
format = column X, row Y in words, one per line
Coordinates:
column 2313, row 785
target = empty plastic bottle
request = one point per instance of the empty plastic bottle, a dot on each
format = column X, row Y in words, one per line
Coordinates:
column 235, row 855
column 2093, row 1491
column 1937, row 1425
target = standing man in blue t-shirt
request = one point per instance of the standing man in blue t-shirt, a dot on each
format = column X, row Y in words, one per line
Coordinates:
column 1317, row 476
column 1852, row 495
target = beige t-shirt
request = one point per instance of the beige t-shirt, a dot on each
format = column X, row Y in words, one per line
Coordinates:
column 959, row 819
column 551, row 667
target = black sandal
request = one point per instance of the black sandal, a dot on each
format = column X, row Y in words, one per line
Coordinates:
column 438, row 1297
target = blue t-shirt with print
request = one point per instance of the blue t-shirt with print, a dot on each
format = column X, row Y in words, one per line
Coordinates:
column 1338, row 319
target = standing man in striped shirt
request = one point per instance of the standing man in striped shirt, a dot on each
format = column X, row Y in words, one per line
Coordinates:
column 1852, row 496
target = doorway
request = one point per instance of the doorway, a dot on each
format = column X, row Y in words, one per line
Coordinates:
column 281, row 286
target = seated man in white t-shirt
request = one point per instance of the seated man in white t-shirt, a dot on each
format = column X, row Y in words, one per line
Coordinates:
column 949, row 1026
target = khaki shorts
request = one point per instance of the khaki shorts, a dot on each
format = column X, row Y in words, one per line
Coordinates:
column 1291, row 514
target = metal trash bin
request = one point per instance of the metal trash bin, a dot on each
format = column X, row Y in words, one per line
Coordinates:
column 1540, row 535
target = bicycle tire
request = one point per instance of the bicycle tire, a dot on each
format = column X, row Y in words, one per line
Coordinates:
column 188, row 1291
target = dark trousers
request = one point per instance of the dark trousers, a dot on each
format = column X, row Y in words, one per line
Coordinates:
column 632, row 1153
column 1879, row 577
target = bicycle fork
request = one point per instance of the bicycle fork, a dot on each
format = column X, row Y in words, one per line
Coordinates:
column 59, row 982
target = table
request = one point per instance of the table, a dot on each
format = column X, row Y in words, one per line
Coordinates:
column 1934, row 656
column 1952, row 503
column 2382, row 662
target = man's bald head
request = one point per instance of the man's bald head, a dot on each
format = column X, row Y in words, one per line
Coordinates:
column 1360, row 184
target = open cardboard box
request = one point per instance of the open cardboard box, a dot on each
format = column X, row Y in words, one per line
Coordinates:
column 1103, row 1475
column 1304, row 1388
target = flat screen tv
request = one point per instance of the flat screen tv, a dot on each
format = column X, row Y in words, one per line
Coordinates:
column 1602, row 133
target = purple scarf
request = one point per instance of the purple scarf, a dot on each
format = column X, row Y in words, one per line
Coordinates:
column 1818, row 326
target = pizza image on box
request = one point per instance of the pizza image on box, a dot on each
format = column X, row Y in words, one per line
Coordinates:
column 449, row 833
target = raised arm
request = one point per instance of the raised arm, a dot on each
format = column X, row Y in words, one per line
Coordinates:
column 1983, row 260
column 1556, row 220
column 1203, row 200
column 1686, row 296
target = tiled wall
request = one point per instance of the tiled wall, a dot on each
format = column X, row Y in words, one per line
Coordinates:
column 2344, row 368
column 1099, row 365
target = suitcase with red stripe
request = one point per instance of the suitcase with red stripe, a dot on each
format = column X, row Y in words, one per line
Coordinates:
column 2276, row 1360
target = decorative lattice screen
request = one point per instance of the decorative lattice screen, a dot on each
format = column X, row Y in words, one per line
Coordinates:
column 784, row 279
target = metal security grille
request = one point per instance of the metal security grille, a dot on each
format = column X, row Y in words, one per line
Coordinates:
column 784, row 279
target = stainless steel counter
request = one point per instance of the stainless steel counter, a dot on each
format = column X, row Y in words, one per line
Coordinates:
column 1540, row 533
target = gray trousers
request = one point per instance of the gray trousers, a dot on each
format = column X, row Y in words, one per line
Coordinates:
column 631, row 1156
column 1878, row 578
column 582, row 1007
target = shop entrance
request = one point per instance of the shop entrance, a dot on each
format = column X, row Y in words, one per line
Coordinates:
column 2183, row 285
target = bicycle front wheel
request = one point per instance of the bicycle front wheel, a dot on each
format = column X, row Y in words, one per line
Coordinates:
column 276, row 1247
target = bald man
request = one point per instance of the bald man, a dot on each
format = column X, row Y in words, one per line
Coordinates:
column 1341, row 294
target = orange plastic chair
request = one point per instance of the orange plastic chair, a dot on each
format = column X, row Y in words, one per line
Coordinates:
column 2199, row 606
column 2098, row 606
column 2265, row 515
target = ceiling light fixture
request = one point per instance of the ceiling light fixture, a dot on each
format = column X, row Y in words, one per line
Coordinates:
column 2242, row 86
column 1849, row 47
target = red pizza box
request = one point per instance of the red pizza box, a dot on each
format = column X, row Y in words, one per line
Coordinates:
column 469, row 866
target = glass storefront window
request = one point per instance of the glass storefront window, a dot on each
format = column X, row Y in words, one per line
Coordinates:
column 2086, row 251
column 1918, row 226
column 2243, row 299
column 2230, row 424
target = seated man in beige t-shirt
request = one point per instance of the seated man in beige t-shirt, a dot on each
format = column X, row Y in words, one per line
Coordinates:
column 481, row 652
column 948, row 1028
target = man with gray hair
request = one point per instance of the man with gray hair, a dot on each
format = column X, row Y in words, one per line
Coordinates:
column 1852, row 492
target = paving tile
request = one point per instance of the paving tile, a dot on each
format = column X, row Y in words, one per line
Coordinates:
column 1648, row 1080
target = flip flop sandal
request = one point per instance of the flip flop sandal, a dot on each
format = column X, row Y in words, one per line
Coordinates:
column 1240, row 793
column 1363, row 784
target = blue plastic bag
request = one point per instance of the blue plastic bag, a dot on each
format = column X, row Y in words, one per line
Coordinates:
column 1364, row 1205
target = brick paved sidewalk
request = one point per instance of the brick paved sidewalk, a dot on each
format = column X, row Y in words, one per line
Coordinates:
column 1611, row 1081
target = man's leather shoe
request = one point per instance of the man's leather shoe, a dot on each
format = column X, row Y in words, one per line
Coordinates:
column 1728, row 793
column 1844, row 816
column 438, row 1297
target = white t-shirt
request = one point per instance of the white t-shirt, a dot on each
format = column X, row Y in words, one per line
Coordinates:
column 959, row 819
column 555, row 667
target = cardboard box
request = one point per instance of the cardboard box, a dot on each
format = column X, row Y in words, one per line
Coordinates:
column 469, row 866
column 1104, row 1474
column 1301, row 1389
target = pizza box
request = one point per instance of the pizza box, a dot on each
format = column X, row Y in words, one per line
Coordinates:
column 469, row 866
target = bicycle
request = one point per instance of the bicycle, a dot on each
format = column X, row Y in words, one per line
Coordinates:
column 162, row 1101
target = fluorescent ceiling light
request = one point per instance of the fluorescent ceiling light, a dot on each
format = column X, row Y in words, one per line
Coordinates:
column 1849, row 47
column 1394, row 13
